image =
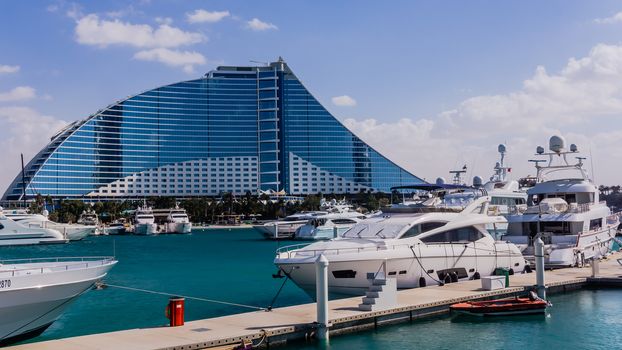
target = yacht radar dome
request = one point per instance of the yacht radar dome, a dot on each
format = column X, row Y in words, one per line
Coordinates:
column 501, row 148
column 540, row 150
column 477, row 181
column 557, row 144
column 573, row 148
column 440, row 181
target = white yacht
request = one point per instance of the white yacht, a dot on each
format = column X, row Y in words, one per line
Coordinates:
column 328, row 226
column 89, row 218
column 286, row 227
column 435, row 245
column 117, row 227
column 564, row 210
column 14, row 233
column 35, row 292
column 177, row 221
column 72, row 232
column 144, row 222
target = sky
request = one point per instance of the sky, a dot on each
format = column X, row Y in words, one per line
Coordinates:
column 432, row 85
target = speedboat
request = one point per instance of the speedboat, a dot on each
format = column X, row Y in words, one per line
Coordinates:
column 435, row 245
column 285, row 228
column 144, row 222
column 328, row 226
column 14, row 233
column 72, row 232
column 177, row 221
column 35, row 292
column 118, row 227
column 564, row 210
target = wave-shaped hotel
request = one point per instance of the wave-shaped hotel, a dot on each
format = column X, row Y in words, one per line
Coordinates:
column 236, row 129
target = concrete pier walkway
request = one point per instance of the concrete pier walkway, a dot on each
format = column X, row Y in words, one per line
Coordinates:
column 297, row 322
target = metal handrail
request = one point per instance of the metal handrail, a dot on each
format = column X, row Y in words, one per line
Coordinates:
column 64, row 266
column 291, row 248
column 57, row 259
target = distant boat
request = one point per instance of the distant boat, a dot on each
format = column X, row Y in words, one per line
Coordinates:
column 14, row 233
column 286, row 227
column 118, row 227
column 72, row 232
column 35, row 292
column 144, row 222
column 177, row 221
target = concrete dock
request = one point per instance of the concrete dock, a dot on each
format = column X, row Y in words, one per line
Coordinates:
column 286, row 324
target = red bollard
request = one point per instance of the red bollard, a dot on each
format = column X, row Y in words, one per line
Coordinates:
column 175, row 311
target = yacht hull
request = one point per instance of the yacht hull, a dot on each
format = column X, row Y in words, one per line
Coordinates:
column 33, row 302
column 285, row 231
column 348, row 275
column 145, row 229
column 178, row 227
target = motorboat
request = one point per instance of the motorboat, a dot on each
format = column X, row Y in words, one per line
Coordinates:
column 435, row 245
column 144, row 222
column 72, row 232
column 531, row 305
column 177, row 221
column 35, row 292
column 117, row 227
column 14, row 233
column 328, row 226
column 286, row 227
column 564, row 210
column 89, row 218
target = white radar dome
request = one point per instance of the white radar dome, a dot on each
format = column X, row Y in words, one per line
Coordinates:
column 440, row 181
column 477, row 181
column 501, row 148
column 557, row 144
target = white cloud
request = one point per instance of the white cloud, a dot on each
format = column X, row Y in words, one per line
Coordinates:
column 185, row 59
column 257, row 25
column 91, row 30
column 344, row 101
column 583, row 102
column 608, row 20
column 20, row 93
column 5, row 69
column 24, row 131
column 202, row 16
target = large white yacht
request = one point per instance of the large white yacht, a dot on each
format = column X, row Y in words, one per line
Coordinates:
column 564, row 210
column 72, row 232
column 328, row 226
column 177, row 221
column 14, row 233
column 286, row 227
column 35, row 292
column 144, row 222
column 89, row 218
column 437, row 244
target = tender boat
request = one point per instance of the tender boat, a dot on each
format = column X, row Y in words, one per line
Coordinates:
column 177, row 221
column 35, row 292
column 144, row 222
column 14, row 233
column 433, row 246
column 531, row 305
column 564, row 210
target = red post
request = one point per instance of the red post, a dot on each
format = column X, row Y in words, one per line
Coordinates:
column 175, row 311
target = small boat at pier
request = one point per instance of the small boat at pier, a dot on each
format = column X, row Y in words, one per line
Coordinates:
column 531, row 305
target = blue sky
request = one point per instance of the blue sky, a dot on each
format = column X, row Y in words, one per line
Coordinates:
column 447, row 78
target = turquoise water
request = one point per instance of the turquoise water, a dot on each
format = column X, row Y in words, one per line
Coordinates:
column 587, row 319
column 233, row 265
column 236, row 266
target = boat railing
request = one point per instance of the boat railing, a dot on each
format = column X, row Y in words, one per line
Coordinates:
column 64, row 264
column 291, row 250
column 572, row 208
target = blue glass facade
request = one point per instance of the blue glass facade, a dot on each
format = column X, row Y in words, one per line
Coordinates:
column 235, row 129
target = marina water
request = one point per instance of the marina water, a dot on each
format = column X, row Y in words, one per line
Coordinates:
column 236, row 266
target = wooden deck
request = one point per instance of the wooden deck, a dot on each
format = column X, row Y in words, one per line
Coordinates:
column 297, row 322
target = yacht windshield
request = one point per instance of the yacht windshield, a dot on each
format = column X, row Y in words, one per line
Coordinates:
column 381, row 229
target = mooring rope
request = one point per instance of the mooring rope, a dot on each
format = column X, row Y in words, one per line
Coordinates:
column 184, row 296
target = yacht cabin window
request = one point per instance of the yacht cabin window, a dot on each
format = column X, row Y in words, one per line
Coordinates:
column 507, row 201
column 595, row 224
column 343, row 221
column 459, row 235
column 424, row 227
